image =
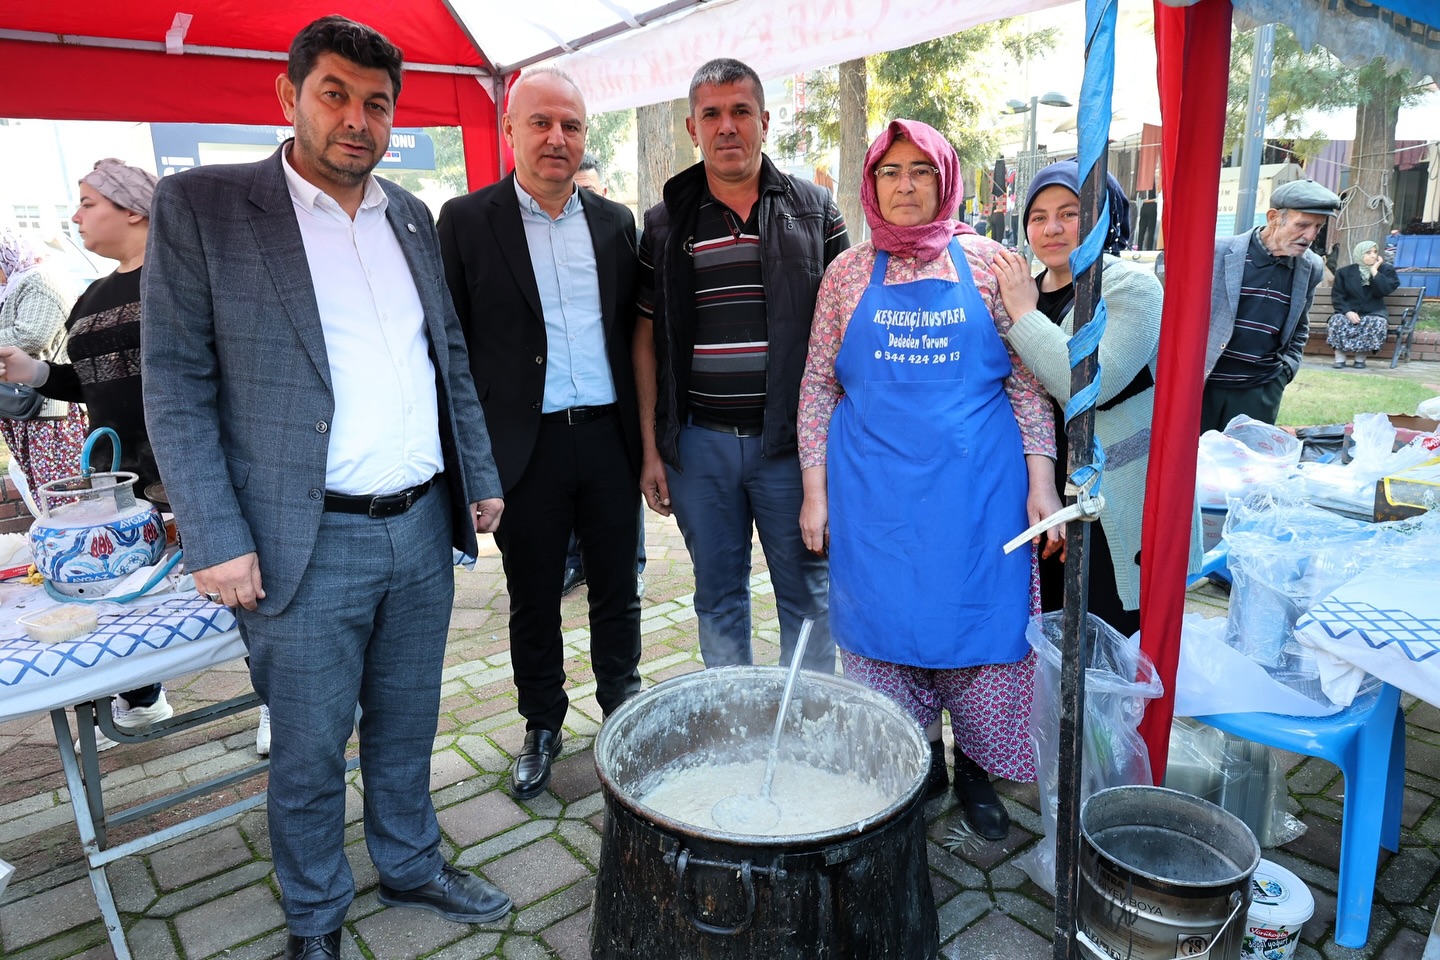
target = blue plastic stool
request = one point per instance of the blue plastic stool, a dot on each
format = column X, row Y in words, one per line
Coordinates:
column 1214, row 565
column 1367, row 742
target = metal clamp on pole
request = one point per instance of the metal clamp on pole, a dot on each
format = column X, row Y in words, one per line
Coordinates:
column 1087, row 508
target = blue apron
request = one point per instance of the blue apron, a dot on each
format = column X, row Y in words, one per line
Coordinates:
column 926, row 480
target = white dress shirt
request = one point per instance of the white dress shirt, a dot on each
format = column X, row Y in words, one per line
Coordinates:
column 385, row 433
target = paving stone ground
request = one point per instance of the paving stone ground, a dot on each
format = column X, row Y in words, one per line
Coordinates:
column 214, row 894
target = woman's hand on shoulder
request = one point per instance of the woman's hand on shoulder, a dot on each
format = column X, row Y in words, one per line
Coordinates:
column 1017, row 288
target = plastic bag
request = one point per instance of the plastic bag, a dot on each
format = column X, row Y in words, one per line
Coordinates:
column 1245, row 778
column 1118, row 681
column 1249, row 454
column 1284, row 556
column 1214, row 677
column 1429, row 409
column 1374, row 454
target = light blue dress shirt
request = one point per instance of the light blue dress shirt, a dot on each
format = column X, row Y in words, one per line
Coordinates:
column 577, row 373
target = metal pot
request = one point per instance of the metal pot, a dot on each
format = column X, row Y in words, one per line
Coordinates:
column 668, row 888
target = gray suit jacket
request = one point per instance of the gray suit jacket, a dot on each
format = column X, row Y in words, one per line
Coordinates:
column 238, row 396
column 1225, row 300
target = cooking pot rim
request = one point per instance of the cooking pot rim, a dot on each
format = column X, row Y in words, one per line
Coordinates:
column 737, row 673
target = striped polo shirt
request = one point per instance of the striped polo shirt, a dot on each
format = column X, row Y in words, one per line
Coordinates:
column 1252, row 356
column 727, row 371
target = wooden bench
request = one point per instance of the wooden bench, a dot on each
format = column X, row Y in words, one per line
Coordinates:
column 1402, row 307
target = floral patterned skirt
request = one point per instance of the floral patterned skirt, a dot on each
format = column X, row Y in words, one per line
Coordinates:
column 49, row 449
column 989, row 706
column 1363, row 337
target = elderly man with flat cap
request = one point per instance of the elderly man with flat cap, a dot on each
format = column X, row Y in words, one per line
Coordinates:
column 1261, row 290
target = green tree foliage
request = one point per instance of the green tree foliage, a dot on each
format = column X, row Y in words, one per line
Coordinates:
column 449, row 164
column 606, row 131
column 1300, row 81
column 950, row 83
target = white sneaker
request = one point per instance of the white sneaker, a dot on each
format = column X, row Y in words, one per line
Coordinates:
column 131, row 718
column 262, row 732
column 135, row 718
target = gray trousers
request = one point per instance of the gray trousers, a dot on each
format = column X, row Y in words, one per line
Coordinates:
column 368, row 626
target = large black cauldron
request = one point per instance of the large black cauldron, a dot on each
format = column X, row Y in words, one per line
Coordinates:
column 671, row 889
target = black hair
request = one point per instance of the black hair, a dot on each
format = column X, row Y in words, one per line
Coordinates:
column 589, row 162
column 345, row 38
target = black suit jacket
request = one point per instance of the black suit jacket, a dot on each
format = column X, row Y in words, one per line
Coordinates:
column 487, row 265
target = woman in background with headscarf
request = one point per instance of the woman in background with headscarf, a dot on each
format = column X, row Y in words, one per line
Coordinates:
column 1044, row 316
column 925, row 448
column 1360, row 322
column 33, row 307
column 104, row 368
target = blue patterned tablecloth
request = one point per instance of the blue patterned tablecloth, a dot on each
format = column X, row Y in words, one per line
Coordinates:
column 177, row 636
column 1385, row 622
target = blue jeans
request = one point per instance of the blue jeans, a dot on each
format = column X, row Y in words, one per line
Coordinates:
column 368, row 626
column 728, row 489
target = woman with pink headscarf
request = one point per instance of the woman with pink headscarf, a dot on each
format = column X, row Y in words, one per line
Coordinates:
column 925, row 446
column 33, row 308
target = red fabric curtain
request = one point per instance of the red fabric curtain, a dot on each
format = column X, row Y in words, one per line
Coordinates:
column 1193, row 47
column 1150, row 135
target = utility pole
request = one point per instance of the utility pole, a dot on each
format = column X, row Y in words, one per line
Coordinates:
column 1262, row 65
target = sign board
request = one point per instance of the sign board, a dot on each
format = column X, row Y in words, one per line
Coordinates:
column 1272, row 175
column 180, row 146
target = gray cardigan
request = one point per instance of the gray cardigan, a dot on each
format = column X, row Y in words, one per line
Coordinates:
column 1132, row 337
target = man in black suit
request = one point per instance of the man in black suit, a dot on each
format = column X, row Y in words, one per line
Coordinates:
column 543, row 276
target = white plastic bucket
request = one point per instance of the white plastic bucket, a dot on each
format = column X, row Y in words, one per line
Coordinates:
column 1280, row 905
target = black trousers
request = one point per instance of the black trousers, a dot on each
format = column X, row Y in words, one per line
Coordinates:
column 1220, row 405
column 579, row 478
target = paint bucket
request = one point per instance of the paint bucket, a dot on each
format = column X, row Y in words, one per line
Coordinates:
column 1162, row 875
column 1280, row 904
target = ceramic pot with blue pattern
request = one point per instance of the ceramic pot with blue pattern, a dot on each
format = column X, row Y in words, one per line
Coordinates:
column 93, row 532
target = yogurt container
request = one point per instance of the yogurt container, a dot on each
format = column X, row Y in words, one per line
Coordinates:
column 1280, row 905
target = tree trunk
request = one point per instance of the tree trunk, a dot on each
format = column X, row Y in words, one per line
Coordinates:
column 686, row 153
column 1368, row 208
column 854, row 140
column 656, row 153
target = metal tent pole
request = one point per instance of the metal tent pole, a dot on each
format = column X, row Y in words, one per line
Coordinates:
column 1085, row 461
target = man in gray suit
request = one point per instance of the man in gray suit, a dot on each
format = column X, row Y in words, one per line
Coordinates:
column 1261, row 290
column 314, row 418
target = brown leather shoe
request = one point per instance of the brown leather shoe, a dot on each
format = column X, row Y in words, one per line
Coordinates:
column 531, row 772
column 455, row 895
column 324, row 947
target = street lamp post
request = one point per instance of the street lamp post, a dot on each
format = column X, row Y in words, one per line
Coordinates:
column 1030, row 158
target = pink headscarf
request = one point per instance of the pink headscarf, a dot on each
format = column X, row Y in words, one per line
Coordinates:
column 928, row 240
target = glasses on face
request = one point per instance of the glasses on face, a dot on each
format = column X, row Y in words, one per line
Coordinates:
column 920, row 174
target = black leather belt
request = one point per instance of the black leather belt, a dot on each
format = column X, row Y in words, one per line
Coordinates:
column 380, row 506
column 574, row 415
column 730, row 428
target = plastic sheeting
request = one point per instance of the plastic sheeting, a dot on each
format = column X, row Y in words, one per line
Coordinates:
column 776, row 37
column 1404, row 32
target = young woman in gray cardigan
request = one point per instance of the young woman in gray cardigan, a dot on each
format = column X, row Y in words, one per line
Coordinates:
column 1043, row 309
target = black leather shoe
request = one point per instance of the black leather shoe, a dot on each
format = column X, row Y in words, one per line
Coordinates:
column 939, row 779
column 324, row 947
column 983, row 809
column 455, row 895
column 531, row 772
column 574, row 579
